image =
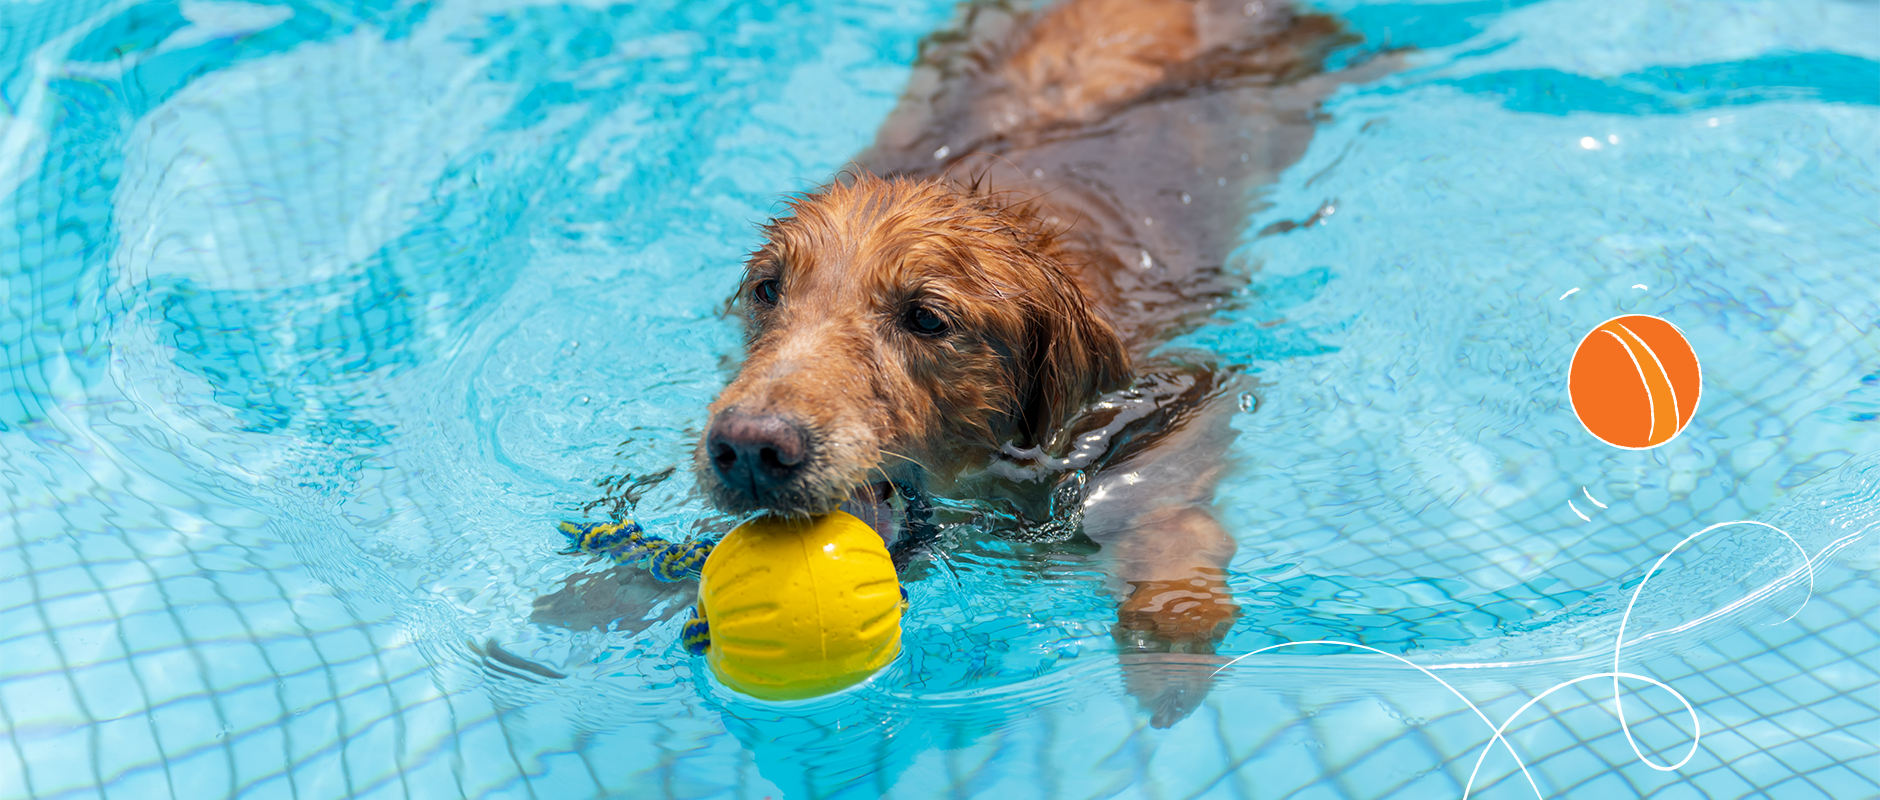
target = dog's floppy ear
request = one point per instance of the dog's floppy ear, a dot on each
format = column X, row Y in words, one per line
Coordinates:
column 1072, row 355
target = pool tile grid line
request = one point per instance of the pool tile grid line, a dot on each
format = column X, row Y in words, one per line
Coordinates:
column 189, row 645
column 324, row 667
column 1787, row 684
column 1792, row 667
column 32, row 579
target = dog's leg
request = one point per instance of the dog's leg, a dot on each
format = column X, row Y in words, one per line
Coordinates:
column 1174, row 566
column 1167, row 556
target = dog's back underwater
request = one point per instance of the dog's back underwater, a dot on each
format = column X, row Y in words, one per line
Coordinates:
column 1144, row 127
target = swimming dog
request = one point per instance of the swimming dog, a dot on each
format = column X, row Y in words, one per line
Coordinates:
column 974, row 310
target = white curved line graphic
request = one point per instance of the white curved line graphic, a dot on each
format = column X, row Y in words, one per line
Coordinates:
column 1651, row 405
column 1670, row 387
column 1498, row 731
column 1589, row 496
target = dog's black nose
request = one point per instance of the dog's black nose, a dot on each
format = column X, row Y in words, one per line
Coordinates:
column 755, row 453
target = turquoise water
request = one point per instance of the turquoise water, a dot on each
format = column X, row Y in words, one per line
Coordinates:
column 319, row 315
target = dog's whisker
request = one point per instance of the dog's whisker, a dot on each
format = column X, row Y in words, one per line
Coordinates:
column 908, row 459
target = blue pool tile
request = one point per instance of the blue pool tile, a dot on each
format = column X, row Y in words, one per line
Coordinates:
column 213, row 620
column 190, row 592
column 313, row 741
column 374, row 763
column 42, row 702
column 1847, row 710
column 1799, row 788
column 150, row 629
column 484, row 734
column 1399, row 764
column 58, row 760
column 1719, row 781
column 275, row 784
column 1801, row 757
column 146, row 780
column 344, row 645
column 171, row 674
column 293, row 655
column 30, row 651
column 249, row 708
column 13, row 776
column 110, row 689
column 57, row 565
column 84, row 607
column 1848, row 779
column 128, row 746
column 234, row 662
column 187, row 724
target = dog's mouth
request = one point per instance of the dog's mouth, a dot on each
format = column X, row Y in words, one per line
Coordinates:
column 876, row 504
column 896, row 511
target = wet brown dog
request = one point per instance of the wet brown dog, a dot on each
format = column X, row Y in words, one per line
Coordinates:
column 958, row 338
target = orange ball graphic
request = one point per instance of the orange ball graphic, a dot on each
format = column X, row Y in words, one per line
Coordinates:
column 1635, row 381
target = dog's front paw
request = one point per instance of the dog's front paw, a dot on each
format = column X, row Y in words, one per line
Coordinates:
column 1178, row 616
column 1166, row 631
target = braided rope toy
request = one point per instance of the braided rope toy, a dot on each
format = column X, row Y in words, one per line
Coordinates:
column 627, row 543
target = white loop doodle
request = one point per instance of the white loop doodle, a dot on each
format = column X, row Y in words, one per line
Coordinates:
column 1618, row 647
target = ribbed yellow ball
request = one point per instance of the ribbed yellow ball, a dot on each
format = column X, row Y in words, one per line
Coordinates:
column 800, row 608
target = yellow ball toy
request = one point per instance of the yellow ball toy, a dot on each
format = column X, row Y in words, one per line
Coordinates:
column 800, row 608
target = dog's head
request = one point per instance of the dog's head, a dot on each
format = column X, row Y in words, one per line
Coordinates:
column 897, row 330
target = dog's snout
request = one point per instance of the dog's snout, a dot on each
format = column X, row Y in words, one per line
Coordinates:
column 755, row 453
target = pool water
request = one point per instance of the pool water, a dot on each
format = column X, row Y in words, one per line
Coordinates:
column 320, row 314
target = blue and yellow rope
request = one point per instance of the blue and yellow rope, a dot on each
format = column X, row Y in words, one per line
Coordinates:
column 627, row 543
column 697, row 633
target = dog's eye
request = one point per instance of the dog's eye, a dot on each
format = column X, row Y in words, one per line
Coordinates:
column 922, row 320
column 766, row 292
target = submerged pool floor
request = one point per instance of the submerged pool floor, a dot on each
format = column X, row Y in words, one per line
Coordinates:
column 320, row 315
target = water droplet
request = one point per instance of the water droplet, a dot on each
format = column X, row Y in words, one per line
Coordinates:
column 1146, row 262
column 1220, row 181
column 942, row 152
column 1037, row 173
column 583, row 399
column 1186, row 199
column 1248, row 402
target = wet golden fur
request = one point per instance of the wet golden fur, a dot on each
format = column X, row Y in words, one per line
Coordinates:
column 1062, row 189
column 1025, row 349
